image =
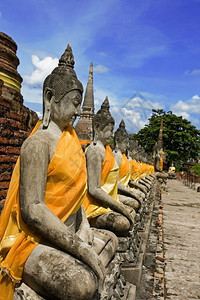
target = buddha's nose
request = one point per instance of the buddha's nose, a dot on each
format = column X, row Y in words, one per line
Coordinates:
column 78, row 110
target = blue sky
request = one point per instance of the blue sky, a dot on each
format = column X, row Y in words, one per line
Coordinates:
column 146, row 53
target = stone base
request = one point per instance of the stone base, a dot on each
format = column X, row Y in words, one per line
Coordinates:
column 132, row 292
column 144, row 234
column 133, row 273
column 26, row 293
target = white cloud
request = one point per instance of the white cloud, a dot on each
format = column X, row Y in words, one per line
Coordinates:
column 189, row 109
column 101, row 69
column 43, row 68
column 196, row 97
column 134, row 120
column 143, row 104
column 97, row 102
column 191, row 106
column 32, row 95
column 134, row 111
column 194, row 72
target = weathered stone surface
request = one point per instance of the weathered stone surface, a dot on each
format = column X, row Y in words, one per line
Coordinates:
column 16, row 120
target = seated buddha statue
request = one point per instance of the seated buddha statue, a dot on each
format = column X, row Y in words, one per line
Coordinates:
column 133, row 156
column 142, row 178
column 102, row 206
column 131, row 197
column 45, row 238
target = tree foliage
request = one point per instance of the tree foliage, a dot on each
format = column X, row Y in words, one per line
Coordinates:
column 181, row 140
column 196, row 169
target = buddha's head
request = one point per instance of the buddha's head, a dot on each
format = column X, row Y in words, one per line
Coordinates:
column 62, row 93
column 121, row 138
column 133, row 145
column 103, row 123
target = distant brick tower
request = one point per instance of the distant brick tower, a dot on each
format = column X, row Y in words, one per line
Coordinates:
column 84, row 126
column 16, row 120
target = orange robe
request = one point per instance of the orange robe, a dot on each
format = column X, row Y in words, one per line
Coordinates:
column 65, row 192
column 109, row 183
column 161, row 163
column 135, row 169
column 124, row 170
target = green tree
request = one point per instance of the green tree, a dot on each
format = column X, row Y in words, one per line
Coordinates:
column 181, row 140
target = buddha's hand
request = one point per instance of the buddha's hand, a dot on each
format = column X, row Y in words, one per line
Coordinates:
column 86, row 234
column 128, row 213
column 92, row 260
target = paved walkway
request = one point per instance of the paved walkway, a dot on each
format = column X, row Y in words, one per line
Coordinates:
column 181, row 231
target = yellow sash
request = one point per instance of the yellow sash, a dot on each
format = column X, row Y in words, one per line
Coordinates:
column 150, row 169
column 124, row 170
column 109, row 183
column 142, row 172
column 161, row 163
column 135, row 166
column 65, row 191
column 85, row 142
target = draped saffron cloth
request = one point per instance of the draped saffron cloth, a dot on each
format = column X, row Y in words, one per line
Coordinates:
column 65, row 191
column 109, row 183
column 142, row 172
column 135, row 169
column 124, row 170
column 161, row 163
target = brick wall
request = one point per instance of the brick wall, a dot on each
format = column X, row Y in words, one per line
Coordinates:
column 16, row 122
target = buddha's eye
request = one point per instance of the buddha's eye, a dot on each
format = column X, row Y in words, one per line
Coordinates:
column 76, row 102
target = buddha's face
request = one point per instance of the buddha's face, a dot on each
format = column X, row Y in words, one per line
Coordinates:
column 64, row 112
column 123, row 145
column 106, row 133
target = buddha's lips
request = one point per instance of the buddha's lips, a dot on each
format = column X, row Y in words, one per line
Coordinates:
column 72, row 120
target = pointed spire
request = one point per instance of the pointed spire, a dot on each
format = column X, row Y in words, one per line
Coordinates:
column 122, row 124
column 105, row 105
column 88, row 104
column 120, row 133
column 67, row 58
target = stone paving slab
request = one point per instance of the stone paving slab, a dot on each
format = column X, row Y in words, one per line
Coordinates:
column 181, row 230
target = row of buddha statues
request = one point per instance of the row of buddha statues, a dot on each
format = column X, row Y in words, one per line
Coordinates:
column 66, row 208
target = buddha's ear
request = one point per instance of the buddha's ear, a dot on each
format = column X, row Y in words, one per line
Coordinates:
column 96, row 125
column 116, row 141
column 95, row 132
column 47, row 100
column 47, row 95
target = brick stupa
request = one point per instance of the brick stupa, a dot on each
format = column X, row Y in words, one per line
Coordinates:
column 16, row 120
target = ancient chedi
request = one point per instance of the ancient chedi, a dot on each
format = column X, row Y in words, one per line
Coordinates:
column 16, row 120
column 84, row 126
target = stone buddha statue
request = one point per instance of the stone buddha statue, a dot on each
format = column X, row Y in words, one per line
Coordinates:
column 134, row 158
column 45, row 238
column 131, row 197
column 102, row 206
column 142, row 168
